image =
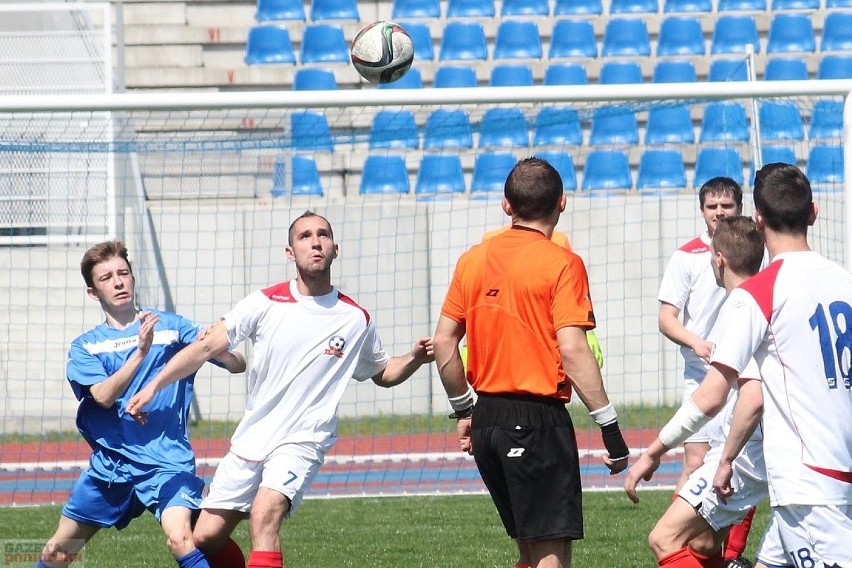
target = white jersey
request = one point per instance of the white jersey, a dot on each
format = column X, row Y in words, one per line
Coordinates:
column 795, row 317
column 689, row 285
column 305, row 350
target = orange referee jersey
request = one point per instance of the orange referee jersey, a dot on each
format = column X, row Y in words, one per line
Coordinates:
column 512, row 292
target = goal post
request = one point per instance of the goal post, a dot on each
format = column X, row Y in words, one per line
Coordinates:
column 204, row 186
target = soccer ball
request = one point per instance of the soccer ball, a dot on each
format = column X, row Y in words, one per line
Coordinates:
column 382, row 52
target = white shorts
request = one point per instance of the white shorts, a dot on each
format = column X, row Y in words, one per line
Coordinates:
column 289, row 470
column 770, row 551
column 815, row 535
column 701, row 436
column 698, row 492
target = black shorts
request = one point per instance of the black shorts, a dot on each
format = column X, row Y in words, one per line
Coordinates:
column 526, row 452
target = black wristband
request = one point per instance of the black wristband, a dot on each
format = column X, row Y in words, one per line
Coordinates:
column 464, row 413
column 614, row 441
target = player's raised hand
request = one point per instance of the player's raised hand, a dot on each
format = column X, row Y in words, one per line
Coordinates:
column 138, row 402
column 424, row 350
column 643, row 470
column 147, row 321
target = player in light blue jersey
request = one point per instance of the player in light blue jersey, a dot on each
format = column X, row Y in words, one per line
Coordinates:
column 132, row 467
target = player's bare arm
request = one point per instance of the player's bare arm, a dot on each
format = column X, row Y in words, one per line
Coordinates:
column 234, row 362
column 581, row 366
column 399, row 369
column 670, row 325
column 448, row 336
column 107, row 391
column 748, row 411
column 186, row 362
column 705, row 403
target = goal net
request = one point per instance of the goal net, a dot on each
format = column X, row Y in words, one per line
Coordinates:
column 202, row 188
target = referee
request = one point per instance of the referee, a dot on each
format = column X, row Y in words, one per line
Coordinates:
column 523, row 302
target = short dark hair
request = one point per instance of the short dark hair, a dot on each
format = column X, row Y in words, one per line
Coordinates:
column 99, row 253
column 533, row 189
column 783, row 197
column 723, row 186
column 305, row 215
column 739, row 241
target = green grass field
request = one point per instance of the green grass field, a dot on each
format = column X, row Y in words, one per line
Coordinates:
column 393, row 532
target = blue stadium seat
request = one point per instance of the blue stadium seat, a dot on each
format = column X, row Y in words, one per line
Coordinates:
column 680, row 36
column 415, row 9
column 795, row 5
column 835, row 67
column 669, row 125
column 791, row 33
column 573, row 38
column 620, row 73
column 837, row 32
column 724, row 122
column 305, row 178
column 269, row 44
column 733, row 33
column 557, row 126
column 774, row 154
column 440, row 173
column 633, row 6
column 447, row 129
column 511, row 76
column 661, row 168
column 674, row 71
column 574, row 7
column 722, row 70
column 314, row 79
column 703, row 6
column 525, row 8
column 607, row 169
column 422, row 39
column 503, row 127
column 270, row 10
column 517, row 39
column 393, row 129
column 324, row 43
column 565, row 74
column 490, row 170
column 780, row 120
column 623, row 36
column 826, row 120
column 564, row 165
column 411, row 80
column 741, row 5
column 470, row 8
column 714, row 161
column 384, row 174
column 455, row 76
column 838, row 4
column 463, row 40
column 825, row 165
column 786, row 69
column 309, row 131
column 334, row 10
column 614, row 125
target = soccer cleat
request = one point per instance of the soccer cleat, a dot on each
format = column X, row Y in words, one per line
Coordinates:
column 738, row 562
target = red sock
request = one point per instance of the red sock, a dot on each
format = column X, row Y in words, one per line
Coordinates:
column 231, row 556
column 521, row 565
column 265, row 559
column 712, row 561
column 736, row 542
column 679, row 559
column 688, row 558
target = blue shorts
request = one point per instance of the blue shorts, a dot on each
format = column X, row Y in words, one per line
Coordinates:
column 115, row 503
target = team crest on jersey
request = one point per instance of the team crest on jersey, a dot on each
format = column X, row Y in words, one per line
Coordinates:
column 336, row 344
